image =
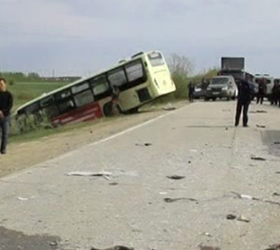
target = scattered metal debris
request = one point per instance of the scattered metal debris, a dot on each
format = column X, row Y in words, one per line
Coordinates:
column 114, row 248
column 170, row 200
column 22, row 199
column 243, row 219
column 176, row 177
column 104, row 174
column 147, row 144
column 231, row 217
column 260, row 126
column 256, row 158
column 248, row 197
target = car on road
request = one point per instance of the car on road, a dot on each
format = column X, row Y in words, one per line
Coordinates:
column 221, row 87
column 199, row 92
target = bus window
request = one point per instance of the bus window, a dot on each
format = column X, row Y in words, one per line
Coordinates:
column 80, row 87
column 156, row 59
column 100, row 87
column 83, row 98
column 83, row 94
column 134, row 71
column 117, row 77
column 65, row 101
column 48, row 104
column 32, row 108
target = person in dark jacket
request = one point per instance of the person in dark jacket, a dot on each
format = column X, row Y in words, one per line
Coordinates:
column 6, row 104
column 261, row 91
column 275, row 98
column 245, row 92
column 191, row 91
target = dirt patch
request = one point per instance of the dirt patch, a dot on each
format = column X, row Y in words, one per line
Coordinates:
column 10, row 239
column 26, row 154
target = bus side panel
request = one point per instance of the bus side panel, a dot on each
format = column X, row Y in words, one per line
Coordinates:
column 85, row 113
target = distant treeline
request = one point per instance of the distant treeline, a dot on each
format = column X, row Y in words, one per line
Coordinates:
column 14, row 77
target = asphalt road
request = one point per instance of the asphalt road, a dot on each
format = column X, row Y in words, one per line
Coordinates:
column 136, row 205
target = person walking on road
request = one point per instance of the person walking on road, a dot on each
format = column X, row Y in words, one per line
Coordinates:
column 191, row 91
column 245, row 92
column 261, row 91
column 6, row 104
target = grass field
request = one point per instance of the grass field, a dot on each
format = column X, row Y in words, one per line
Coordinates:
column 24, row 91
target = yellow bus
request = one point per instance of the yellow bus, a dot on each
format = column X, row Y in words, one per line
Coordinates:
column 139, row 79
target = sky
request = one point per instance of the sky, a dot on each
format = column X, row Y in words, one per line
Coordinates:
column 81, row 37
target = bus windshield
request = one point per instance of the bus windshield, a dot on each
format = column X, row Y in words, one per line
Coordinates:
column 156, row 59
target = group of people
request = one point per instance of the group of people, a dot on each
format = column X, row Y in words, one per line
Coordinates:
column 6, row 104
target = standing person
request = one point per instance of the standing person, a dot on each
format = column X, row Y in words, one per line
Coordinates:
column 261, row 91
column 245, row 92
column 191, row 90
column 6, row 104
column 274, row 95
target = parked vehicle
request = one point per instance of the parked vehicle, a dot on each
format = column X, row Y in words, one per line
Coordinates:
column 269, row 82
column 221, row 87
column 199, row 92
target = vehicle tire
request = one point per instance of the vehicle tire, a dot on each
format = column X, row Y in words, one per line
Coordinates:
column 107, row 109
column 206, row 99
column 214, row 98
column 228, row 98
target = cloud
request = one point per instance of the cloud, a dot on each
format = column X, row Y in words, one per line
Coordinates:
column 54, row 33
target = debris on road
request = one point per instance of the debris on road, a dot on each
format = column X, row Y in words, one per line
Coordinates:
column 261, row 111
column 22, row 199
column 169, row 107
column 104, row 174
column 147, row 144
column 115, row 248
column 208, row 248
column 231, row 217
column 207, row 234
column 113, row 184
column 274, row 247
column 248, row 197
column 258, row 111
column 260, row 126
column 256, row 158
column 243, row 218
column 176, row 177
column 170, row 200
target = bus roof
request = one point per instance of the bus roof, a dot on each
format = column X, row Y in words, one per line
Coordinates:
column 122, row 62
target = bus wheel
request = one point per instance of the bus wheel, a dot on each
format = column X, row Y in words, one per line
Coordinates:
column 107, row 109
